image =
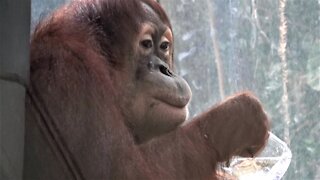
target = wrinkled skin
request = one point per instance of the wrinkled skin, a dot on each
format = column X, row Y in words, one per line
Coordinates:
column 104, row 102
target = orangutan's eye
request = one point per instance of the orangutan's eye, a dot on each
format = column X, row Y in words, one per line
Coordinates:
column 147, row 43
column 165, row 46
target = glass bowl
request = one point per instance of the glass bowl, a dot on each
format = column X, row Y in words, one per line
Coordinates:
column 270, row 164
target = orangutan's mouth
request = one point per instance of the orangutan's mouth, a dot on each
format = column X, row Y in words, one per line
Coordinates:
column 175, row 101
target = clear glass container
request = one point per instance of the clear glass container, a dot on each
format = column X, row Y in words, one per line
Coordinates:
column 270, row 164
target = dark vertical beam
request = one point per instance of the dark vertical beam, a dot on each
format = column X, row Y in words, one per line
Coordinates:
column 14, row 66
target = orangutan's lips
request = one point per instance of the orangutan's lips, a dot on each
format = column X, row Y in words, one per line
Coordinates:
column 176, row 101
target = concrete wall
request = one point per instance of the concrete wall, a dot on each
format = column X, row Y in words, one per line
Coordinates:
column 14, row 53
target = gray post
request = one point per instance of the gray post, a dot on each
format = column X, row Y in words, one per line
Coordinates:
column 14, row 66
